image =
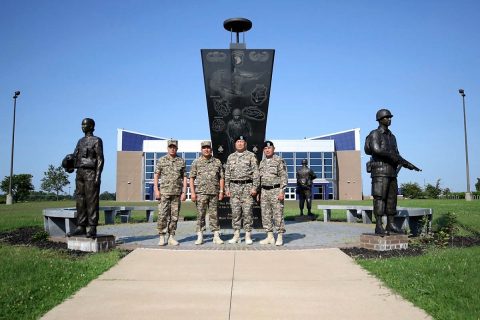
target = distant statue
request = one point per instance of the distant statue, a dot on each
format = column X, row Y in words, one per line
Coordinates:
column 88, row 160
column 236, row 127
column 384, row 165
column 305, row 177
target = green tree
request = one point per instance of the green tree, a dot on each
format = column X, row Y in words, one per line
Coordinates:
column 477, row 185
column 411, row 190
column 54, row 180
column 21, row 186
column 433, row 191
column 107, row 196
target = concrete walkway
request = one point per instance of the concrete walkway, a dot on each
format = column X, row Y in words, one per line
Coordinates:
column 208, row 284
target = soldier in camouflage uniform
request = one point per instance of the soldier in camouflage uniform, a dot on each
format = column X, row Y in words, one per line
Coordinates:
column 273, row 181
column 173, row 187
column 241, row 184
column 206, row 188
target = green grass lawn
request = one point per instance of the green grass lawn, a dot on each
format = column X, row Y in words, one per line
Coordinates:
column 444, row 283
column 33, row 281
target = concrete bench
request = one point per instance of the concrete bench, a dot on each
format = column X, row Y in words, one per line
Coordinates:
column 405, row 217
column 59, row 221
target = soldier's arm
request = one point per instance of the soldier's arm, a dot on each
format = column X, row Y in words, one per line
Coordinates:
column 100, row 160
column 227, row 178
column 379, row 152
column 156, row 176
column 256, row 175
column 283, row 179
column 183, row 195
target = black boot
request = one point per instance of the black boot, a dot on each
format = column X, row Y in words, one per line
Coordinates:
column 391, row 226
column 79, row 231
column 92, row 232
column 379, row 227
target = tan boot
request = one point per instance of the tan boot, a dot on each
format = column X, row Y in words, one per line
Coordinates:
column 161, row 241
column 279, row 240
column 199, row 238
column 172, row 241
column 236, row 237
column 216, row 238
column 248, row 238
column 269, row 239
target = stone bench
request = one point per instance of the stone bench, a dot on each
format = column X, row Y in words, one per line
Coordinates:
column 405, row 217
column 59, row 221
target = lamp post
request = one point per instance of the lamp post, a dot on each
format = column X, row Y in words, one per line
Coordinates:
column 9, row 199
column 468, row 195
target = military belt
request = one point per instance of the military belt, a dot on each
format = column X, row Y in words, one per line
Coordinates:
column 271, row 187
column 241, row 181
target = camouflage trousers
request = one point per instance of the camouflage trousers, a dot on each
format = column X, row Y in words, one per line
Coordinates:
column 207, row 203
column 168, row 211
column 272, row 210
column 241, row 203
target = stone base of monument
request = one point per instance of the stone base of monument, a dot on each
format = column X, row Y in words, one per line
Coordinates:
column 385, row 243
column 303, row 218
column 103, row 242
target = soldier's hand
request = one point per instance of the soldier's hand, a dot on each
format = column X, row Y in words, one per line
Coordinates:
column 253, row 192
column 281, row 196
column 157, row 195
column 228, row 194
column 220, row 196
column 183, row 196
column 193, row 196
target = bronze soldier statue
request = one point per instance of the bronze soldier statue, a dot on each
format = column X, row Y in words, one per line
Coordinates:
column 88, row 160
column 384, row 165
column 305, row 177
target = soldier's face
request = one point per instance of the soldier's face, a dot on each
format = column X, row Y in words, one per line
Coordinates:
column 172, row 150
column 386, row 121
column 268, row 151
column 240, row 145
column 206, row 151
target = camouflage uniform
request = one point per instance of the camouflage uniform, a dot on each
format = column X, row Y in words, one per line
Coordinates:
column 207, row 174
column 241, row 176
column 171, row 171
column 273, row 180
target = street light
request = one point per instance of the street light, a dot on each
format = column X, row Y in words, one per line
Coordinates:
column 468, row 195
column 9, row 195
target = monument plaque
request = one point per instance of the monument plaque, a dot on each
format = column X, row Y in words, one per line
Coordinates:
column 237, row 87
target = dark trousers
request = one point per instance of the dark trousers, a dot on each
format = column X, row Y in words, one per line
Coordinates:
column 87, row 197
column 384, row 192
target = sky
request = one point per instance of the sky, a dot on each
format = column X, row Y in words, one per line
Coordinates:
column 136, row 65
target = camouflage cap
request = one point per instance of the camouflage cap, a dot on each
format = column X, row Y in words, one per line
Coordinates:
column 268, row 143
column 240, row 138
column 206, row 143
column 172, row 142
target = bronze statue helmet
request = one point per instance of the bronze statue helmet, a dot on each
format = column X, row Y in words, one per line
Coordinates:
column 384, row 113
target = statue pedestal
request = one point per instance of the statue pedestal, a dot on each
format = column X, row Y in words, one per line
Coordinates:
column 304, row 218
column 388, row 242
column 103, row 242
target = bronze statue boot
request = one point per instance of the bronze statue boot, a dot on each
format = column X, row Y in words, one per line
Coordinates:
column 92, row 232
column 79, row 231
column 379, row 227
column 391, row 226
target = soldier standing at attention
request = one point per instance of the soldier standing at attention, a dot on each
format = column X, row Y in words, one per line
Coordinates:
column 241, row 184
column 305, row 177
column 88, row 159
column 273, row 181
column 384, row 166
column 173, row 187
column 206, row 188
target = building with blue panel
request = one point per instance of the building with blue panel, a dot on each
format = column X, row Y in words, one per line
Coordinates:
column 335, row 159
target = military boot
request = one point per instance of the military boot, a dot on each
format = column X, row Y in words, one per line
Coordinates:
column 199, row 238
column 248, row 238
column 391, row 226
column 172, row 241
column 216, row 238
column 279, row 240
column 269, row 239
column 236, row 237
column 161, row 241
column 92, row 232
column 80, row 230
column 379, row 227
